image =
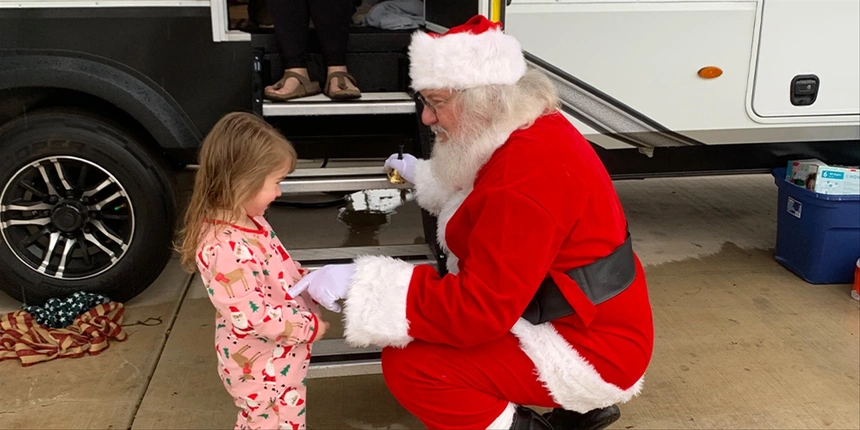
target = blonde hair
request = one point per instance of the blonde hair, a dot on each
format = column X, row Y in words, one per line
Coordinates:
column 237, row 155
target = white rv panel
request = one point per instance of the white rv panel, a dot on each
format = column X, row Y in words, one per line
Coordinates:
column 648, row 54
column 808, row 37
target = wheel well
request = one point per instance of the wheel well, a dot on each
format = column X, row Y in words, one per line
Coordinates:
column 20, row 101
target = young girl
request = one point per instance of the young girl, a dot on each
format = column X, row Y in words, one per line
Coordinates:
column 262, row 335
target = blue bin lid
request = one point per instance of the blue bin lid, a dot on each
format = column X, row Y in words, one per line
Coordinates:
column 779, row 176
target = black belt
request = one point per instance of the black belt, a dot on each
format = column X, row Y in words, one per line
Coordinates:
column 600, row 281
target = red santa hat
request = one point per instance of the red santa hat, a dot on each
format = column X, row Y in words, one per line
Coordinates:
column 473, row 54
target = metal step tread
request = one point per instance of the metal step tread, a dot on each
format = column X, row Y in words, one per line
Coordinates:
column 375, row 171
column 317, row 254
column 355, row 368
column 338, row 347
column 338, row 179
column 334, row 358
column 372, row 103
column 312, row 266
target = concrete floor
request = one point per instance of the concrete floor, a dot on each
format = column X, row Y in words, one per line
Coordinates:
column 740, row 341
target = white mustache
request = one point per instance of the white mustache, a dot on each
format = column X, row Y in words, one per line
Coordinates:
column 440, row 131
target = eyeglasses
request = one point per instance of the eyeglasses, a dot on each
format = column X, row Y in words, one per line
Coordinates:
column 432, row 106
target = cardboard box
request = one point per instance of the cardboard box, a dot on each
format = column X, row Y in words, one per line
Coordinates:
column 791, row 169
column 801, row 171
column 835, row 180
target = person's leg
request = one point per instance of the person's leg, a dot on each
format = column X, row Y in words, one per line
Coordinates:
column 477, row 387
column 290, row 18
column 290, row 392
column 291, row 407
column 332, row 19
column 254, row 413
column 259, row 14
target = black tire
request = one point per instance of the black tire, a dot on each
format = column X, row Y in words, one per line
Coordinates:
column 85, row 138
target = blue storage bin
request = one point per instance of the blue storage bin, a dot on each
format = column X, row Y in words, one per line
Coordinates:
column 817, row 235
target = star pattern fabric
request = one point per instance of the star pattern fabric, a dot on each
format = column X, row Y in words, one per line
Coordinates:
column 61, row 313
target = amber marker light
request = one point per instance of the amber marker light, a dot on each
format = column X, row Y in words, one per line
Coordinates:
column 710, row 72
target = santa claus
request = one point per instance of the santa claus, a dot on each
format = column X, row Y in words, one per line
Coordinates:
column 273, row 313
column 291, row 398
column 544, row 303
column 241, row 326
column 251, row 403
column 243, row 253
column 269, row 373
column 205, row 255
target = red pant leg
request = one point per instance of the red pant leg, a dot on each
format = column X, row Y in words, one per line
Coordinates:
column 447, row 387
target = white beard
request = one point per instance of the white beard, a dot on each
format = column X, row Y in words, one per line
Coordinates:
column 457, row 160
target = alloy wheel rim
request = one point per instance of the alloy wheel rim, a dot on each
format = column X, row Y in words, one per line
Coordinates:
column 66, row 218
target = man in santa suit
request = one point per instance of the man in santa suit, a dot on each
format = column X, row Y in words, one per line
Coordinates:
column 523, row 202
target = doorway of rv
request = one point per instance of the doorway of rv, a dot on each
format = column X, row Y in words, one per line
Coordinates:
column 440, row 15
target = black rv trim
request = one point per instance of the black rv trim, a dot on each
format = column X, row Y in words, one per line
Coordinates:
column 746, row 158
column 127, row 89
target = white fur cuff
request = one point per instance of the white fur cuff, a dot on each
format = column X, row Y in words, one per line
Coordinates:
column 375, row 308
column 505, row 419
column 430, row 193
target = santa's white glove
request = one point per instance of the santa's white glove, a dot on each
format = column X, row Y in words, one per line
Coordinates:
column 326, row 285
column 406, row 166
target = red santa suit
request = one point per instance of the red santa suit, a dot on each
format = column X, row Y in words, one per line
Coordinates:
column 457, row 353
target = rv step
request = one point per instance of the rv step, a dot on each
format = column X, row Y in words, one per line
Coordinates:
column 333, row 357
column 327, row 349
column 337, row 179
column 371, row 366
column 310, row 255
column 368, row 104
column 312, row 266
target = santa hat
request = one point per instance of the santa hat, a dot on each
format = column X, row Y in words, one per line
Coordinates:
column 473, row 54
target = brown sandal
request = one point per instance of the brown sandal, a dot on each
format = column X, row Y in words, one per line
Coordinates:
column 306, row 88
column 345, row 93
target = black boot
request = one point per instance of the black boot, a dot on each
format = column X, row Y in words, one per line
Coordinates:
column 595, row 419
column 527, row 419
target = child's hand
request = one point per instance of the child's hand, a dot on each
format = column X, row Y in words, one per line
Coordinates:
column 322, row 327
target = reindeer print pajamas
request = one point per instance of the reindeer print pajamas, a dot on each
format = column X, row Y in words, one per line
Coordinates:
column 262, row 336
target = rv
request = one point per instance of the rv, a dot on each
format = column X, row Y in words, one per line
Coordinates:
column 102, row 101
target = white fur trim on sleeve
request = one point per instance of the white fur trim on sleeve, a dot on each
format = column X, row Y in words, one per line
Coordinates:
column 375, row 307
column 505, row 419
column 465, row 60
column 572, row 381
column 430, row 193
